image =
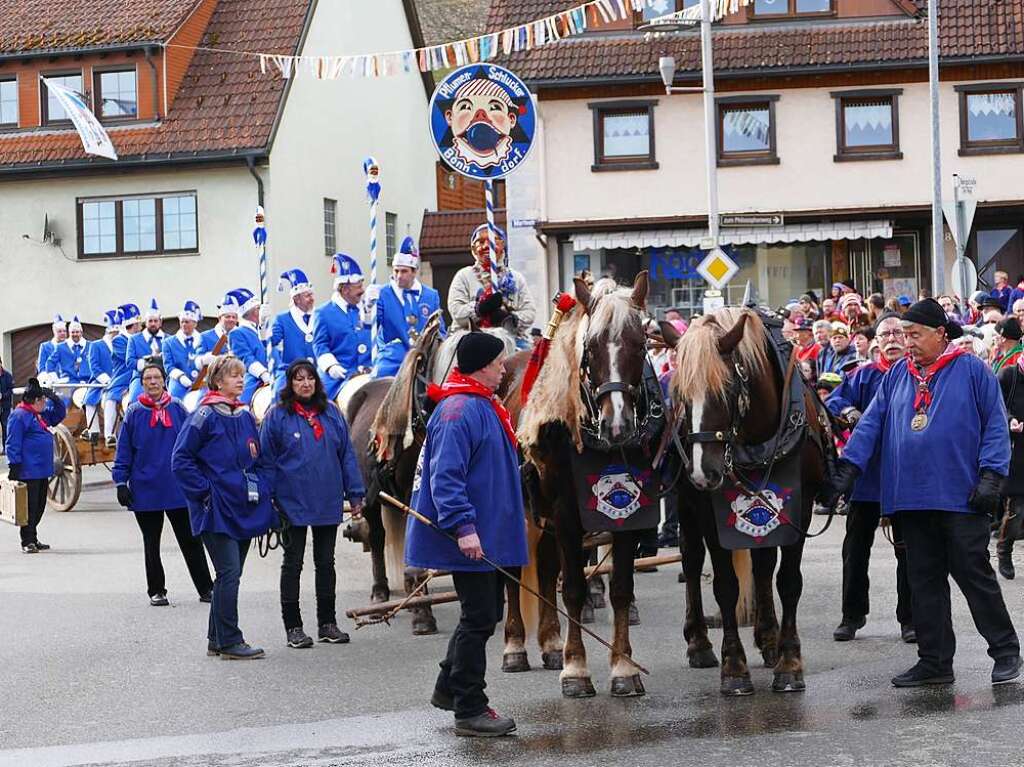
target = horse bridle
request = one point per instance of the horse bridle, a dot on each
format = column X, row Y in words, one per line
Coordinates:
column 738, row 392
column 652, row 407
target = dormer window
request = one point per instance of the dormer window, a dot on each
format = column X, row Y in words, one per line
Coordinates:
column 787, row 8
column 9, row 103
column 53, row 112
column 116, row 94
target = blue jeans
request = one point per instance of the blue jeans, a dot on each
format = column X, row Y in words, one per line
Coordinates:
column 228, row 557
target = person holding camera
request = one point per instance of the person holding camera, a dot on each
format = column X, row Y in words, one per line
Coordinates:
column 146, row 486
column 30, row 453
column 227, row 485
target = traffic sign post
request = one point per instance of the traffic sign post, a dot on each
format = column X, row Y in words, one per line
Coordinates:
column 960, row 216
column 717, row 268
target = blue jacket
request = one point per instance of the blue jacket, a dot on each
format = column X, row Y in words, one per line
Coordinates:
column 468, row 475
column 395, row 317
column 70, row 361
column 214, row 455
column 122, row 373
column 857, row 390
column 830, row 361
column 340, row 337
column 101, row 369
column 140, row 346
column 291, row 338
column 1002, row 295
column 43, row 357
column 936, row 468
column 212, row 336
column 29, row 445
column 143, row 458
column 180, row 362
column 312, row 477
column 246, row 345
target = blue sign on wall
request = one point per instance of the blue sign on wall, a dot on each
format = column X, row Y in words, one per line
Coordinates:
column 669, row 264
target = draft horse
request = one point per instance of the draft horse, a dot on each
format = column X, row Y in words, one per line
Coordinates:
column 744, row 408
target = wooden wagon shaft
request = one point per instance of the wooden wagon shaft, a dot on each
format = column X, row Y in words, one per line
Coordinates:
column 667, row 559
column 425, row 601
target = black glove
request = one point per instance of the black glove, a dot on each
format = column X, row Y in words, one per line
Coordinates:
column 839, row 484
column 48, row 392
column 124, row 496
column 485, row 306
column 852, row 415
column 14, row 472
column 986, row 494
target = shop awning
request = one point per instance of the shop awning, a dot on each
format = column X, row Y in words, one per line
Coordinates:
column 767, row 235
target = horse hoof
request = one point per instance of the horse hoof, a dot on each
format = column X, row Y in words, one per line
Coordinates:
column 379, row 594
column 587, row 614
column 424, row 626
column 734, row 687
column 788, row 681
column 770, row 655
column 578, row 687
column 634, row 615
column 627, row 687
column 552, row 660
column 514, row 662
column 703, row 658
column 597, row 600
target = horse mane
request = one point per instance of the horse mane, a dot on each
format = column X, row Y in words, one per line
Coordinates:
column 701, row 372
column 614, row 312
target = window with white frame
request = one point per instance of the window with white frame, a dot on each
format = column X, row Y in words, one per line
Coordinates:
column 9, row 102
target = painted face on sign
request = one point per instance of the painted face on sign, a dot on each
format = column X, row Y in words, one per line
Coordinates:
column 481, row 119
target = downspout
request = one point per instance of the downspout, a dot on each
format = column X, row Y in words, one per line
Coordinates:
column 156, row 92
column 251, row 163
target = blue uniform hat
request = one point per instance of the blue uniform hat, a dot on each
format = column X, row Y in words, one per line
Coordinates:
column 296, row 281
column 408, row 255
column 190, row 311
column 112, row 319
column 153, row 312
column 345, row 270
column 129, row 313
column 230, row 304
column 245, row 299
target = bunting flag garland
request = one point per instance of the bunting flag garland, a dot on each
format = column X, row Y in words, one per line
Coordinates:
column 523, row 37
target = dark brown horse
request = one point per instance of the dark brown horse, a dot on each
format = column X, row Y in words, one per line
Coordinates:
column 731, row 387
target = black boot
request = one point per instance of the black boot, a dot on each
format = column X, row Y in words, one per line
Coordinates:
column 1009, row 531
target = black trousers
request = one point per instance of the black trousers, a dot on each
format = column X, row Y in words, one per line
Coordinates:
column 941, row 544
column 36, row 507
column 151, row 523
column 325, row 538
column 1012, row 525
column 861, row 524
column 482, row 598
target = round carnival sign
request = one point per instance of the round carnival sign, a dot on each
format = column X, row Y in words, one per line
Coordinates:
column 482, row 121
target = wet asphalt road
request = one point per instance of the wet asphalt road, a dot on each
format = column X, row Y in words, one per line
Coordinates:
column 93, row 675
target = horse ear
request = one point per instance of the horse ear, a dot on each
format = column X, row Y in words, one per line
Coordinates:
column 640, row 285
column 727, row 343
column 583, row 296
column 669, row 334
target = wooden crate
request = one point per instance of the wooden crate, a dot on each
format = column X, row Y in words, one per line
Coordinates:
column 13, row 502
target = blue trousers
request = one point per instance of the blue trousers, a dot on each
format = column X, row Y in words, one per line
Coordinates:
column 228, row 557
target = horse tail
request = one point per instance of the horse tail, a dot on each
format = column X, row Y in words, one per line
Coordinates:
column 529, row 605
column 744, row 569
column 394, row 542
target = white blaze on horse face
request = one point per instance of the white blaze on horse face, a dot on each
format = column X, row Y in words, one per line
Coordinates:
column 697, row 473
column 616, row 398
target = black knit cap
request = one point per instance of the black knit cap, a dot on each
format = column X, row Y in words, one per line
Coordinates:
column 930, row 313
column 478, row 350
column 1010, row 328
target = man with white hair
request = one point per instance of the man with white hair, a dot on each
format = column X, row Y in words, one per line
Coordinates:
column 60, row 333
column 145, row 346
column 341, row 327
column 69, row 360
column 291, row 335
column 822, row 333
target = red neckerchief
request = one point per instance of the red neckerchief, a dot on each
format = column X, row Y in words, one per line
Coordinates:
column 312, row 418
column 158, row 409
column 458, row 383
column 883, row 363
column 923, row 397
column 30, row 409
column 216, row 398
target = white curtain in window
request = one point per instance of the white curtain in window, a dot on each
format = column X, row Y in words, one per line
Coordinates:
column 746, row 126
column 869, row 116
column 627, row 135
column 984, row 104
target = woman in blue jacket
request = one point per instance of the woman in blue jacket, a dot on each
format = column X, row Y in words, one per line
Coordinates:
column 30, row 453
column 306, row 438
column 145, row 484
column 227, row 487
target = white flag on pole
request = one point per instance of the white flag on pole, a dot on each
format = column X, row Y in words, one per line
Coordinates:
column 94, row 138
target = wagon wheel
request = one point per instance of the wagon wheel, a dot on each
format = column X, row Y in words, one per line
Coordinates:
column 66, row 484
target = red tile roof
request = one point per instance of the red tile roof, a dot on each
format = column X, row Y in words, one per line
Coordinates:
column 31, row 25
column 224, row 104
column 969, row 28
column 450, row 230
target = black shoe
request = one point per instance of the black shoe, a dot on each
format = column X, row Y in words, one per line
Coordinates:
column 919, row 675
column 489, row 724
column 442, row 700
column 212, row 651
column 847, row 630
column 1006, row 565
column 46, row 547
column 298, row 639
column 908, row 633
column 30, row 548
column 331, row 634
column 158, row 600
column 241, row 651
column 1006, row 669
column 207, row 597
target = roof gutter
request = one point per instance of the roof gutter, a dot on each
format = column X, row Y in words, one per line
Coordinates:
column 40, row 170
column 45, row 53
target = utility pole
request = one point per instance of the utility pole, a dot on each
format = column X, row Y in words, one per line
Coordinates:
column 938, row 233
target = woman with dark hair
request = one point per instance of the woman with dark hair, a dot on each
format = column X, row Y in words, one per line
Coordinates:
column 227, row 484
column 306, row 438
column 30, row 453
column 146, row 486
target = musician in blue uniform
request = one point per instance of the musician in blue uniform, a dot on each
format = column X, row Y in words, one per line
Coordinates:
column 291, row 335
column 849, row 400
column 101, row 368
column 69, row 360
column 227, row 321
column 145, row 346
column 60, row 333
column 121, row 375
column 341, row 327
column 183, row 353
column 939, row 423
column 248, row 345
column 403, row 308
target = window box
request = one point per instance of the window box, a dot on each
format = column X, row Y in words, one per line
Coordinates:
column 991, row 118
column 115, row 94
column 143, row 225
column 624, row 135
column 867, row 125
column 746, row 131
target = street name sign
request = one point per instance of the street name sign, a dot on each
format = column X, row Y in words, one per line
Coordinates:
column 751, row 219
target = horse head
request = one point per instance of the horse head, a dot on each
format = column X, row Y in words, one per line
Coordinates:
column 716, row 359
column 612, row 348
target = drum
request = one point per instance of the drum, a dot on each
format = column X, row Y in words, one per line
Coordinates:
column 192, row 399
column 262, row 401
column 348, row 390
column 78, row 397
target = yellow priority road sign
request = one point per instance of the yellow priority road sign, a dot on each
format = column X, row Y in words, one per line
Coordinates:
column 717, row 268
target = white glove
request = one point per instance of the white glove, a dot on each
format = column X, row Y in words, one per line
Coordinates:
column 336, row 372
column 183, row 379
column 265, row 377
column 372, row 294
column 206, row 359
column 103, row 378
column 264, row 315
